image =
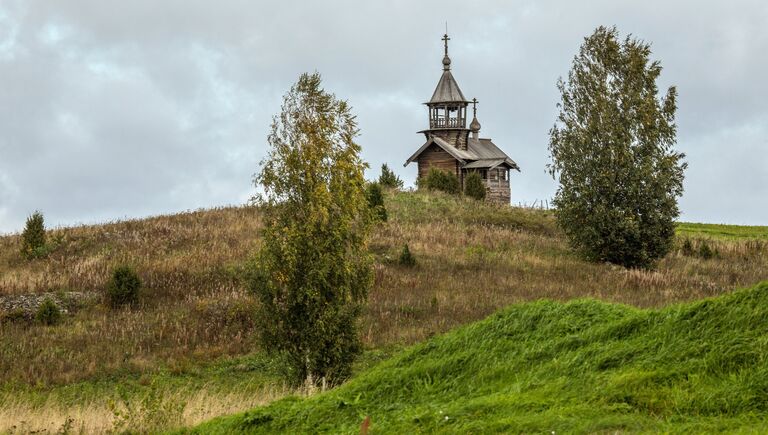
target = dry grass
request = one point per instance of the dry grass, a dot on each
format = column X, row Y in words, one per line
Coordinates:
column 177, row 409
column 194, row 305
column 472, row 260
column 465, row 274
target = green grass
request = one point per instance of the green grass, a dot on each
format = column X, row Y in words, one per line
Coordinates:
column 722, row 231
column 583, row 366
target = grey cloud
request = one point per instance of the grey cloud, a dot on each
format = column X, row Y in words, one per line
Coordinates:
column 111, row 109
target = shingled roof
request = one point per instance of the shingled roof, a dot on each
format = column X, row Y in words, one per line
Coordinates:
column 447, row 90
column 480, row 153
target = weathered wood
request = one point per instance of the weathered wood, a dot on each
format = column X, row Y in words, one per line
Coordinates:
column 498, row 187
column 447, row 121
column 455, row 137
column 436, row 157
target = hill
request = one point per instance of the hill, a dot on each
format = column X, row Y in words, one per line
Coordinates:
column 548, row 367
column 187, row 352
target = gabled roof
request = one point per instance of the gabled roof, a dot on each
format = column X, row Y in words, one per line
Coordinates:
column 460, row 155
column 480, row 153
column 484, row 164
column 486, row 151
column 447, row 90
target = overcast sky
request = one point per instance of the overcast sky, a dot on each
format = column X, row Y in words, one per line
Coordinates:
column 116, row 109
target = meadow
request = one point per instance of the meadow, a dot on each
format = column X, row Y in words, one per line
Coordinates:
column 583, row 366
column 191, row 341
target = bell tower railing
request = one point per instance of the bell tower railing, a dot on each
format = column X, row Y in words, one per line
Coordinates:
column 448, row 116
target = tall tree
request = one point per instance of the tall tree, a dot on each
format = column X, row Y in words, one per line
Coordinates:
column 313, row 272
column 612, row 150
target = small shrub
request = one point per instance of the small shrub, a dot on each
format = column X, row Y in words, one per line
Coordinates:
column 48, row 313
column 687, row 248
column 406, row 258
column 389, row 179
column 376, row 201
column 443, row 181
column 474, row 186
column 705, row 251
column 33, row 237
column 123, row 287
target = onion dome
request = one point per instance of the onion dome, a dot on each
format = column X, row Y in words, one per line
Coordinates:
column 474, row 127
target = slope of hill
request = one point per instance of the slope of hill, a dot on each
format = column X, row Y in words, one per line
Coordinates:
column 191, row 339
column 581, row 366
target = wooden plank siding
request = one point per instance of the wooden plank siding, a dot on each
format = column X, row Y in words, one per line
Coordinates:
column 436, row 157
column 497, row 186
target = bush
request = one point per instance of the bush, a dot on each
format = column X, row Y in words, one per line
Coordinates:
column 376, row 201
column 406, row 258
column 33, row 237
column 48, row 313
column 443, row 181
column 705, row 251
column 389, row 179
column 474, row 186
column 687, row 248
column 123, row 287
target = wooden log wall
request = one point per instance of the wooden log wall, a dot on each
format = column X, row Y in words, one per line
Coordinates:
column 436, row 157
column 457, row 138
column 498, row 186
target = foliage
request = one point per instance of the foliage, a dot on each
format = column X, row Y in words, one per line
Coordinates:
column 687, row 248
column 123, row 287
column 406, row 258
column 702, row 249
column 48, row 313
column 313, row 271
column 474, row 186
column 443, row 181
column 706, row 252
column 612, row 152
column 376, row 201
column 533, row 368
column 389, row 179
column 33, row 237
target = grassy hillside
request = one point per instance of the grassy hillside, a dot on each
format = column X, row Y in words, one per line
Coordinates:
column 723, row 231
column 191, row 340
column 549, row 367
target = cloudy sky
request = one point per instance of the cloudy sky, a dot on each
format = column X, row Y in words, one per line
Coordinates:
column 116, row 109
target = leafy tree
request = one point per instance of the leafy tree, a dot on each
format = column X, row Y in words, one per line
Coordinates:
column 376, row 201
column 474, row 186
column 313, row 272
column 437, row 179
column 389, row 179
column 33, row 237
column 612, row 150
